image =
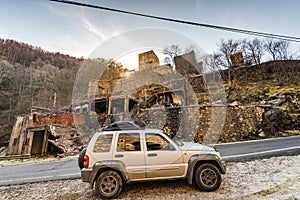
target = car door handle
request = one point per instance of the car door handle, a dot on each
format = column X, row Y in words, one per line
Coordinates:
column 152, row 154
column 119, row 155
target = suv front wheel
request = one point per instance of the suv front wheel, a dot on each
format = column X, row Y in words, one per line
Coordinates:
column 208, row 177
column 109, row 184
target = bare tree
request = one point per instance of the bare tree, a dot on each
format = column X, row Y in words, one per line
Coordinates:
column 255, row 50
column 278, row 49
column 171, row 52
column 227, row 48
column 218, row 61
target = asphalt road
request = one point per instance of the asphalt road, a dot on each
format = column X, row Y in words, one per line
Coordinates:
column 250, row 150
column 39, row 172
column 68, row 169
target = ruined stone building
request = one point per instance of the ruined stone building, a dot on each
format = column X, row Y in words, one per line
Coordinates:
column 44, row 132
column 148, row 60
column 135, row 89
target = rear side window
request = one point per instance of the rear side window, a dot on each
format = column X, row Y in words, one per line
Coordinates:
column 103, row 143
column 129, row 142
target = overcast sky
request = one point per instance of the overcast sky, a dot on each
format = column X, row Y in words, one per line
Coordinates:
column 78, row 31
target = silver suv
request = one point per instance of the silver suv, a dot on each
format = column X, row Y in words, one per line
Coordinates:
column 126, row 152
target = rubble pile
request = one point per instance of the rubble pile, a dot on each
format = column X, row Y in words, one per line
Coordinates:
column 64, row 138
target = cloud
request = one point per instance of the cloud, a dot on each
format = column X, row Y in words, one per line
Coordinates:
column 78, row 17
column 103, row 32
column 92, row 28
column 85, row 31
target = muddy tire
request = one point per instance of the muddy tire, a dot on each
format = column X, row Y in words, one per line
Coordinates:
column 208, row 177
column 109, row 184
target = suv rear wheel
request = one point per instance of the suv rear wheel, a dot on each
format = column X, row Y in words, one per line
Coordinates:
column 208, row 177
column 109, row 184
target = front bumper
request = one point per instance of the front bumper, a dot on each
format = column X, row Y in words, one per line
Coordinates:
column 223, row 165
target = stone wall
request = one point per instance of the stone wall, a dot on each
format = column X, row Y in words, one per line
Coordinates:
column 240, row 123
column 186, row 64
column 211, row 124
column 147, row 60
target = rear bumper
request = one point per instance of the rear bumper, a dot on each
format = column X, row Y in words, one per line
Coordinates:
column 85, row 175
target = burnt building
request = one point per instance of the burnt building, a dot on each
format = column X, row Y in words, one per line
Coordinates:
column 43, row 132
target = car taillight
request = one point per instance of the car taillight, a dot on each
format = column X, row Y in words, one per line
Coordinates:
column 86, row 161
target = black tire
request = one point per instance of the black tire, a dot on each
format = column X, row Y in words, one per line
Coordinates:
column 109, row 184
column 81, row 158
column 208, row 177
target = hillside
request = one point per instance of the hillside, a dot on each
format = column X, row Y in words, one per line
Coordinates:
column 275, row 84
column 267, row 82
column 32, row 76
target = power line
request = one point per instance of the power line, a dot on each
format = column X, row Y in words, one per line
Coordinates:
column 224, row 28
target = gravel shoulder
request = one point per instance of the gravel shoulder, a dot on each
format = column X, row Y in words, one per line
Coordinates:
column 274, row 178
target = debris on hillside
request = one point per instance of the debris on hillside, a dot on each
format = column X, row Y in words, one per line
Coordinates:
column 65, row 139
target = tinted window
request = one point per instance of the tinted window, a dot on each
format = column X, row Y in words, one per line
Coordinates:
column 157, row 142
column 103, row 143
column 129, row 142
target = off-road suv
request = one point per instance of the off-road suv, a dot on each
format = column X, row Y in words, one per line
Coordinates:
column 126, row 152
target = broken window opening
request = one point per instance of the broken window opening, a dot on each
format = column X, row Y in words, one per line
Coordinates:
column 35, row 118
column 84, row 110
column 77, row 110
column 99, row 106
column 117, row 105
column 132, row 104
column 15, row 141
column 167, row 99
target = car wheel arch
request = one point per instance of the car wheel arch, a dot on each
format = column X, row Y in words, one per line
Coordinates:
column 197, row 160
column 100, row 167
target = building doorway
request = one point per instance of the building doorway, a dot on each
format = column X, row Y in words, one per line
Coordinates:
column 37, row 143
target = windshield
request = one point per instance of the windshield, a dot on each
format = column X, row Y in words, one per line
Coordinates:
column 177, row 140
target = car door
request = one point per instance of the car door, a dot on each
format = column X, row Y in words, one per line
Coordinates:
column 130, row 151
column 163, row 157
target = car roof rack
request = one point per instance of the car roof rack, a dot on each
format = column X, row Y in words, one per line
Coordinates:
column 125, row 125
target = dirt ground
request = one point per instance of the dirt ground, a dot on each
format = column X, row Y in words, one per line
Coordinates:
column 274, row 178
